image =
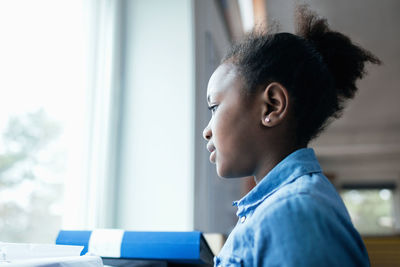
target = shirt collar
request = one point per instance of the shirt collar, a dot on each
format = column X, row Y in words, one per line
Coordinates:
column 298, row 163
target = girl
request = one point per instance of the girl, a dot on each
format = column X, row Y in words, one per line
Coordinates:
column 271, row 95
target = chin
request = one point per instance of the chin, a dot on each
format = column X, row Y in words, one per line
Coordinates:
column 221, row 171
column 226, row 172
column 222, row 174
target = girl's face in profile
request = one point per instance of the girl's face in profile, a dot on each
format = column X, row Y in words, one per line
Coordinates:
column 231, row 131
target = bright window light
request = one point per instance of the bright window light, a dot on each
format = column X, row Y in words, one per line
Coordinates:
column 371, row 210
column 43, row 111
column 247, row 14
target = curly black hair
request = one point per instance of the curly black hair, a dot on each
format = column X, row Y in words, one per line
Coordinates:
column 319, row 68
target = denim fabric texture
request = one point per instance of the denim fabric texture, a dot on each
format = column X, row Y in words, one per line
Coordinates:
column 293, row 217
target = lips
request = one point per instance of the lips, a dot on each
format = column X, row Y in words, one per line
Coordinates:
column 211, row 149
column 212, row 157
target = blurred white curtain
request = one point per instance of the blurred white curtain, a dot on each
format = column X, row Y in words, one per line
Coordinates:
column 105, row 89
column 97, row 200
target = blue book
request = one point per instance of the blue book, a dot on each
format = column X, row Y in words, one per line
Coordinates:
column 171, row 247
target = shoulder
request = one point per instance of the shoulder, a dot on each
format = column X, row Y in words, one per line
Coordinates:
column 294, row 213
column 295, row 222
column 310, row 203
column 309, row 195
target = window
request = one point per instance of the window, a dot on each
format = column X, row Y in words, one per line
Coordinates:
column 371, row 209
column 43, row 116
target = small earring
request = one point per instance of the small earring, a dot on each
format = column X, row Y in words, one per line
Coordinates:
column 267, row 119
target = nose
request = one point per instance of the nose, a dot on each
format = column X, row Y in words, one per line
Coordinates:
column 207, row 132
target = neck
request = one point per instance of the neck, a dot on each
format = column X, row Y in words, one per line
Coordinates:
column 271, row 159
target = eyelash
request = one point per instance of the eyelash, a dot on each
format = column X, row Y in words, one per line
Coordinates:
column 213, row 108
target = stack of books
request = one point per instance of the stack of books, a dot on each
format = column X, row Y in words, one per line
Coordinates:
column 132, row 248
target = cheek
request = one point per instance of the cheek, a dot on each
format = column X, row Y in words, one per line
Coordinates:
column 230, row 132
column 234, row 145
column 222, row 134
column 230, row 143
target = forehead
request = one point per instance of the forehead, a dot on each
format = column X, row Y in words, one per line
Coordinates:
column 225, row 77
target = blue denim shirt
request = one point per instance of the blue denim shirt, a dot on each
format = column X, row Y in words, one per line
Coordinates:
column 293, row 217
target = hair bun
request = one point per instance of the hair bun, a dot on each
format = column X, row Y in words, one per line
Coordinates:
column 344, row 59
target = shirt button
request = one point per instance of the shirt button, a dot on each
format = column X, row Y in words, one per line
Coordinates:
column 242, row 219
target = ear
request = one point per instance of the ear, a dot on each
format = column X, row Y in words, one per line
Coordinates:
column 275, row 101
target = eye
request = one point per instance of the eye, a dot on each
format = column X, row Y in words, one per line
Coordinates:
column 213, row 108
